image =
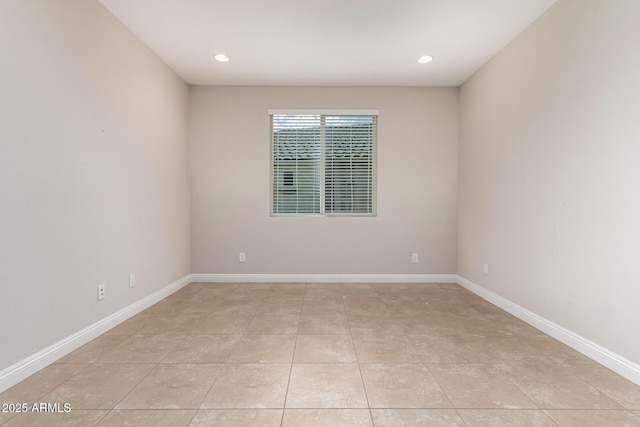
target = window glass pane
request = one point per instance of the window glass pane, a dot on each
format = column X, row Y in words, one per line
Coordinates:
column 323, row 164
column 296, row 164
column 349, row 164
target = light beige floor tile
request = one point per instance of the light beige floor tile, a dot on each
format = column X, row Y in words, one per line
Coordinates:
column 288, row 288
column 91, row 351
column 365, row 307
column 402, row 386
column 249, row 386
column 479, row 303
column 552, row 386
column 210, row 293
column 322, row 300
column 391, row 298
column 431, row 324
column 141, row 349
column 473, row 348
column 327, row 385
column 133, row 325
column 505, row 417
column 503, row 348
column 556, row 351
column 479, row 386
column 203, row 304
column 324, row 324
column 162, row 308
column 245, row 298
column 390, row 289
column 147, row 418
column 482, row 357
column 324, row 349
column 274, row 324
column 452, row 311
column 175, row 306
column 245, row 295
column 511, row 323
column 189, row 290
column 178, row 323
column 264, row 349
column 447, row 349
column 285, row 295
column 237, row 418
column 373, row 326
column 216, row 324
column 6, row 416
column 40, row 383
column 608, row 382
column 74, row 418
column 416, row 417
column 323, row 306
column 275, row 307
column 430, row 289
column 385, row 349
column 203, row 349
column 448, row 302
column 597, row 418
column 358, row 289
column 237, row 305
column 284, row 298
column 172, row 386
column 327, row 417
column 213, row 287
column 313, row 290
column 99, row 386
column 254, row 287
column 204, row 290
column 405, row 308
column 484, row 326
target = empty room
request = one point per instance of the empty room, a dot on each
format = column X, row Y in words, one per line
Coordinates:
column 319, row 213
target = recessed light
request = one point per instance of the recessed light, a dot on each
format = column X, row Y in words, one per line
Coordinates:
column 424, row 59
column 221, row 57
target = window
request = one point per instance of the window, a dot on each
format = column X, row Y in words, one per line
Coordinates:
column 323, row 163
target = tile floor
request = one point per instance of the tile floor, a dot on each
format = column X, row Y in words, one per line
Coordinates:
column 326, row 355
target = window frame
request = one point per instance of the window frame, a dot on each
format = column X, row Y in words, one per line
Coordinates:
column 322, row 113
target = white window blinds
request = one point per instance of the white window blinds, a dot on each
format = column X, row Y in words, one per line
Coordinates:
column 323, row 163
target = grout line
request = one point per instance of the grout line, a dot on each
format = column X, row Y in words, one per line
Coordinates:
column 305, row 298
column 293, row 355
column 355, row 349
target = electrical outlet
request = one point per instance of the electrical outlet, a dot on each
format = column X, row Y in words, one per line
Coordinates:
column 132, row 280
column 242, row 257
column 414, row 258
column 485, row 269
column 101, row 291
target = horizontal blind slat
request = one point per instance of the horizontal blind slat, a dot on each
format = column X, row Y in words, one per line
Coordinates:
column 349, row 164
column 297, row 150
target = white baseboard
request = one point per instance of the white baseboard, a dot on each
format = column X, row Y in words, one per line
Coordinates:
column 611, row 360
column 32, row 364
column 325, row 278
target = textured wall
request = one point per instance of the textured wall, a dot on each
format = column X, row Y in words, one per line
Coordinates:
column 416, row 185
column 94, row 179
column 549, row 191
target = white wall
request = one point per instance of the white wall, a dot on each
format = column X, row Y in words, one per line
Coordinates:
column 417, row 170
column 93, row 171
column 549, row 191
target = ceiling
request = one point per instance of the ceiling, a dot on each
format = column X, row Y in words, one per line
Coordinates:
column 326, row 42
